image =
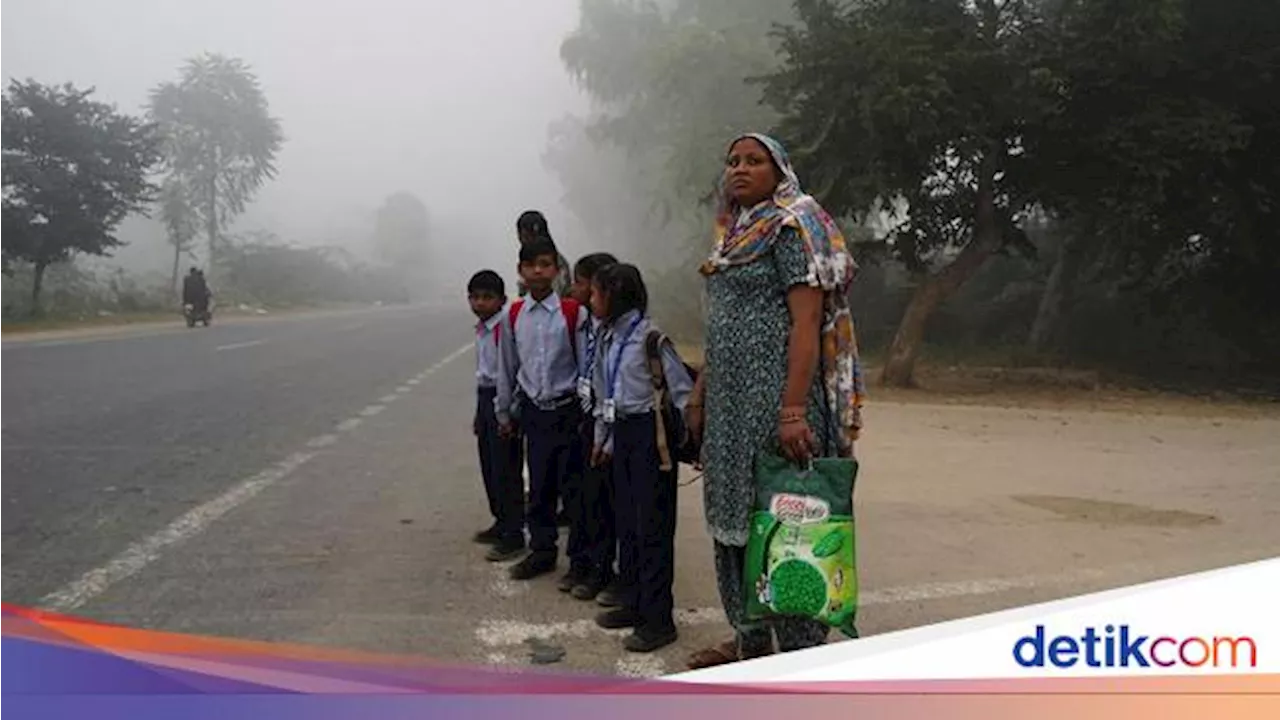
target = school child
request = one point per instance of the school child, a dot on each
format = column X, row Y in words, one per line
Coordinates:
column 592, row 541
column 500, row 457
column 626, row 436
column 537, row 381
column 532, row 225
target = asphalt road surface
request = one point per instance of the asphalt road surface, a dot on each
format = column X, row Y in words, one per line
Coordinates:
column 312, row 479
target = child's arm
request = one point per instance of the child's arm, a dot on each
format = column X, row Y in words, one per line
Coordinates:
column 603, row 446
column 508, row 367
column 679, row 384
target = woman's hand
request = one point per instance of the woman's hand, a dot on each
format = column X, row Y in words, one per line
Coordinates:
column 795, row 438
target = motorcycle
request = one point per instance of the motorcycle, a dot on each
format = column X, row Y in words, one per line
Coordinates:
column 194, row 316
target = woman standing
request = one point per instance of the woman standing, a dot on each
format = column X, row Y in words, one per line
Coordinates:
column 782, row 365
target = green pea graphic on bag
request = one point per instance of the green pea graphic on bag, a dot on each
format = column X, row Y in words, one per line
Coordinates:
column 801, row 558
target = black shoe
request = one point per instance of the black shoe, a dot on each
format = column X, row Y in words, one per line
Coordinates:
column 612, row 596
column 571, row 579
column 504, row 551
column 490, row 536
column 537, row 563
column 646, row 641
column 562, row 519
column 617, row 619
column 590, row 587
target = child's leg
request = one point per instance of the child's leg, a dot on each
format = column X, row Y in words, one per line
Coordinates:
column 573, row 492
column 508, row 463
column 624, row 514
column 654, row 496
column 544, row 457
column 599, row 522
column 597, row 550
column 486, row 427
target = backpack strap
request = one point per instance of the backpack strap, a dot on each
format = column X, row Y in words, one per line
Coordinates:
column 653, row 343
column 569, row 308
column 513, row 312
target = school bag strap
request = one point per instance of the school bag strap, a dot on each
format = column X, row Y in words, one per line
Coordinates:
column 568, row 308
column 653, row 342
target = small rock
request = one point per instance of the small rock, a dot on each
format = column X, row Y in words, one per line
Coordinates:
column 406, row 521
column 543, row 653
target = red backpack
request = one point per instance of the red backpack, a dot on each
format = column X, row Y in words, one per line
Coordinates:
column 568, row 307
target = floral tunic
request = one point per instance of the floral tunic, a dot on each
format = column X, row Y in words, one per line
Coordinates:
column 748, row 326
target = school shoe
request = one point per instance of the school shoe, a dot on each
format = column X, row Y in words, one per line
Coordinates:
column 571, row 579
column 612, row 596
column 488, row 536
column 535, row 564
column 617, row 619
column 505, row 550
column 645, row 640
column 590, row 587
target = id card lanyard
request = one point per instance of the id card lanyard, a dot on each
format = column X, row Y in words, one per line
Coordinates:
column 584, row 375
column 613, row 376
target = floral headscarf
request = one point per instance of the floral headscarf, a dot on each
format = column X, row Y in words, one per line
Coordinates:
column 742, row 238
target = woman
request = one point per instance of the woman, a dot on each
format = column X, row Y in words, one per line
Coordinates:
column 782, row 365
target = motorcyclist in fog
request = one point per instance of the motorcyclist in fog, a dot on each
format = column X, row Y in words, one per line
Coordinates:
column 195, row 291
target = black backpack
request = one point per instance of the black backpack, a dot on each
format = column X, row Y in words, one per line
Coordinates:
column 675, row 442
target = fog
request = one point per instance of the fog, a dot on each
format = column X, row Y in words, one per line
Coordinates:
column 447, row 100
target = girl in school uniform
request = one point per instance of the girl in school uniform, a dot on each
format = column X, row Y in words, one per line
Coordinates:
column 626, row 438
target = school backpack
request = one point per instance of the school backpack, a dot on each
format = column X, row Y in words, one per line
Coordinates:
column 670, row 423
column 568, row 307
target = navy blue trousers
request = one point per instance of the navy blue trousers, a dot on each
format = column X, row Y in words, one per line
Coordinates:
column 554, row 456
column 501, row 462
column 598, row 545
column 645, row 517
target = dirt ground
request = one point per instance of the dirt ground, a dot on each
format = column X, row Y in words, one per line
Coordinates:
column 977, row 495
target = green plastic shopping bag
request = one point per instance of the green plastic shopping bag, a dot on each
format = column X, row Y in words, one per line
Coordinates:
column 801, row 556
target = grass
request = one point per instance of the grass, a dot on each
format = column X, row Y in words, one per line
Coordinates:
column 22, row 326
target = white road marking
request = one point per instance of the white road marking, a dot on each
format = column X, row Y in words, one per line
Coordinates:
column 640, row 666
column 385, row 399
column 372, row 410
column 142, row 553
column 321, row 441
column 508, row 633
column 403, row 389
column 237, row 346
column 146, row 551
column 413, row 381
column 497, row 659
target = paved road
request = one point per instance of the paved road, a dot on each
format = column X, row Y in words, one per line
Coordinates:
column 312, row 479
column 110, row 437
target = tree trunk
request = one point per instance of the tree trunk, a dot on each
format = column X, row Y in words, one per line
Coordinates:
column 177, row 262
column 212, row 221
column 37, row 281
column 900, row 365
column 1057, row 291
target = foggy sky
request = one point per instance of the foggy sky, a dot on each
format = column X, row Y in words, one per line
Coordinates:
column 448, row 100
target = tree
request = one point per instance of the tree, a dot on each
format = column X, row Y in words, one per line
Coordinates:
column 669, row 81
column 924, row 102
column 180, row 221
column 73, row 169
column 220, row 139
column 1139, row 133
column 401, row 232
